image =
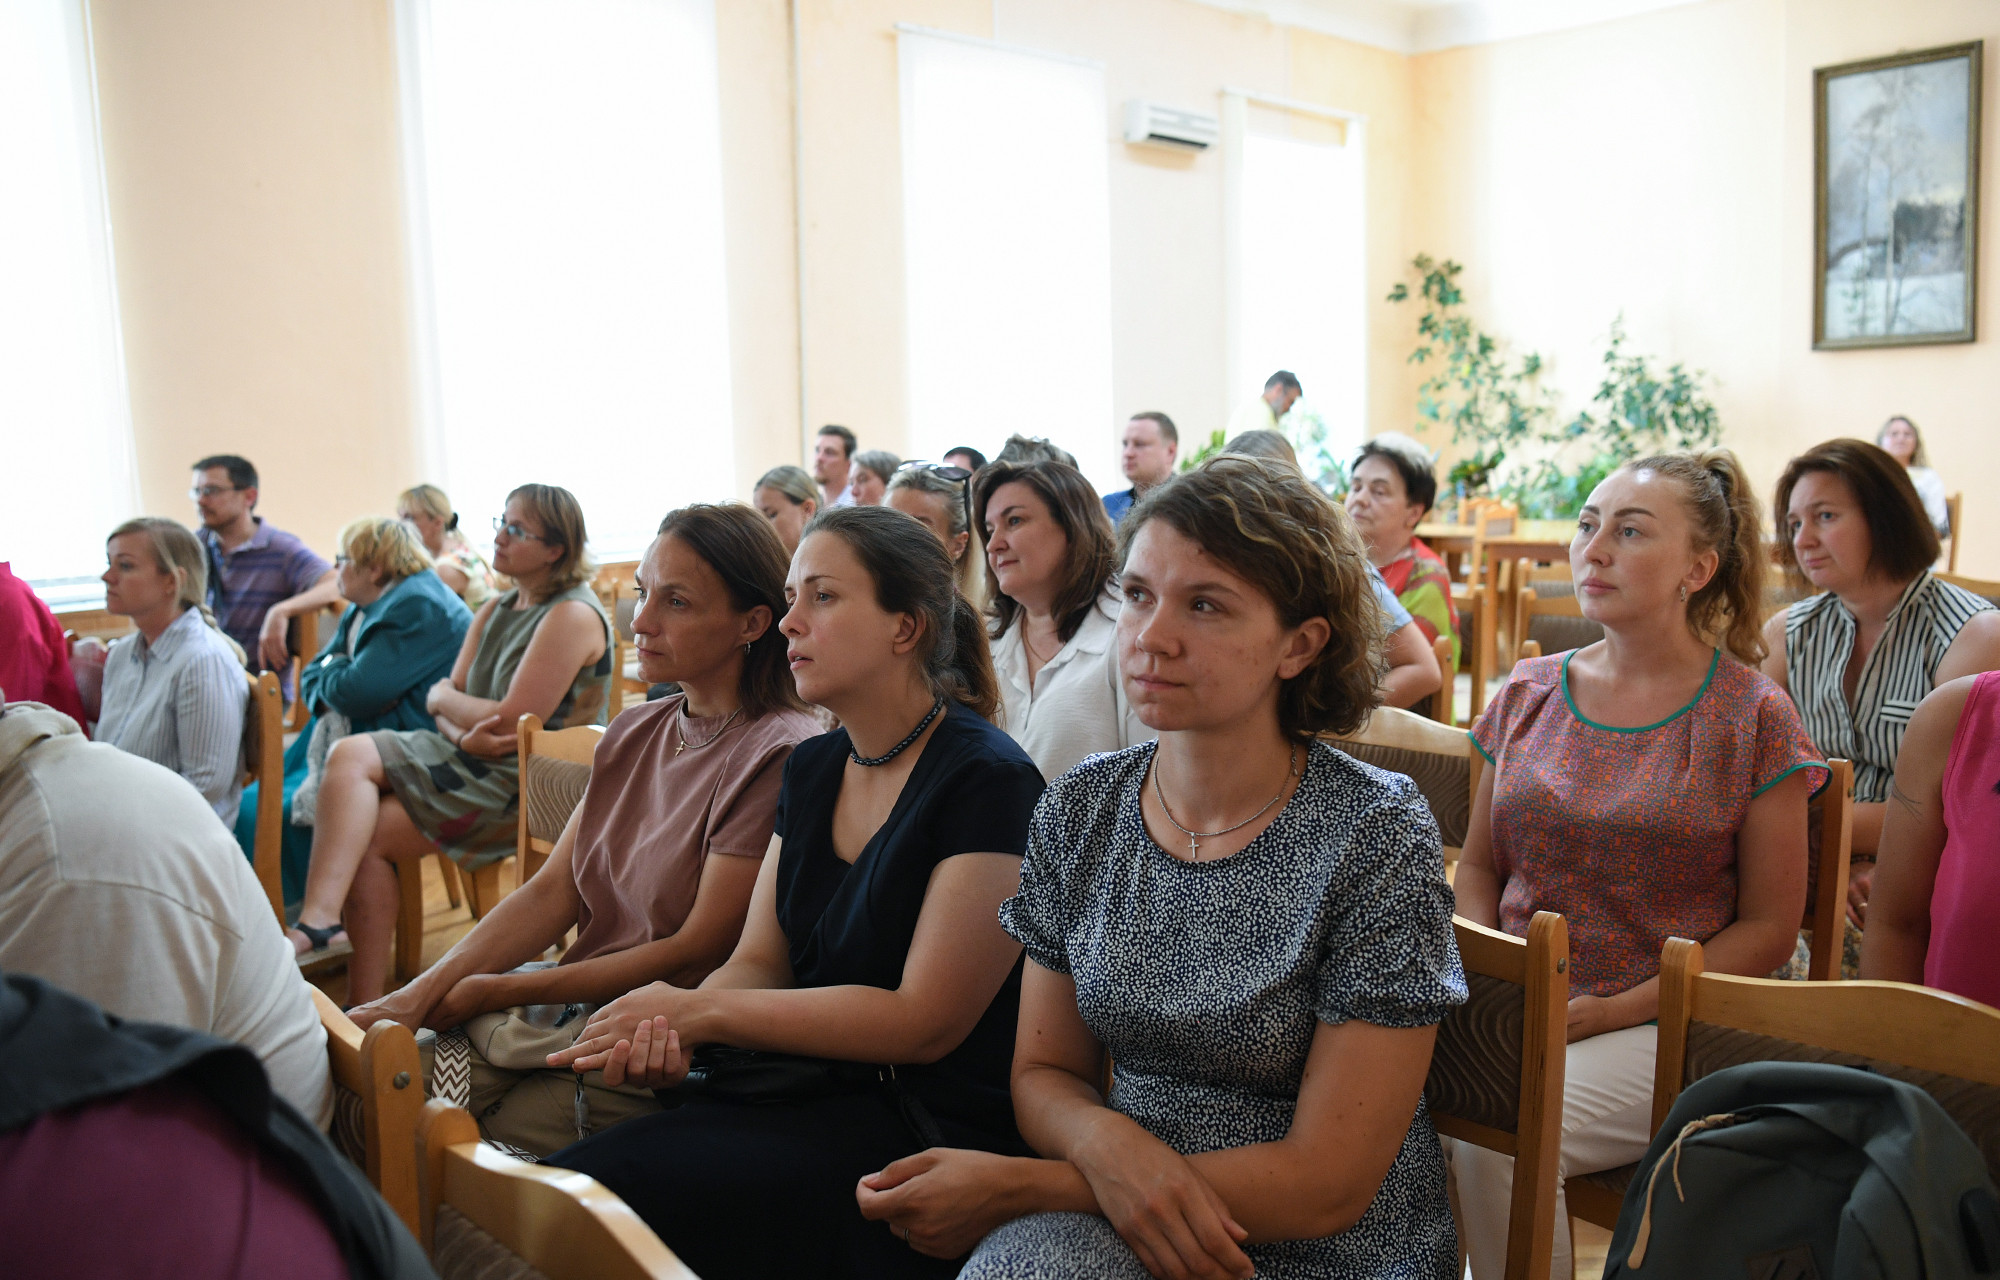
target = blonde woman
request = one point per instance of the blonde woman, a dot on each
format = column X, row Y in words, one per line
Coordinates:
column 788, row 498
column 938, row 496
column 174, row 690
column 401, row 631
column 543, row 647
column 427, row 510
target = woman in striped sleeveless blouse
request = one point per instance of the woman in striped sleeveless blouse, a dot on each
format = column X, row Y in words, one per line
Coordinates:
column 1881, row 634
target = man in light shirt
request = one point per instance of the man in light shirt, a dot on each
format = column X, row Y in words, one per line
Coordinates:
column 117, row 883
column 1281, row 392
column 1151, row 445
column 832, row 467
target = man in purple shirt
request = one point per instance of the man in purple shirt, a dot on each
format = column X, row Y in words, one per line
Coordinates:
column 259, row 577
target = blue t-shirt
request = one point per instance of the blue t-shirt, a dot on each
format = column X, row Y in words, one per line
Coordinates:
column 1399, row 617
column 1117, row 504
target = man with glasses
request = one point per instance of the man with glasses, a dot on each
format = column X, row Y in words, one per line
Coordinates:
column 259, row 577
column 1150, row 446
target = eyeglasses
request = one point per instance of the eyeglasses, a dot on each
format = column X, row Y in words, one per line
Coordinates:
column 341, row 562
column 501, row 524
column 942, row 470
column 212, row 490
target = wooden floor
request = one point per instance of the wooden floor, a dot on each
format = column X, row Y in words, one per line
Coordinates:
column 1589, row 1246
column 444, row 925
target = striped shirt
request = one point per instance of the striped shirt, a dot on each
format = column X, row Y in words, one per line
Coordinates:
column 179, row 702
column 1898, row 673
column 244, row 583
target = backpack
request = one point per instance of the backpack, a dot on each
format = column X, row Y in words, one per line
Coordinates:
column 1807, row 1171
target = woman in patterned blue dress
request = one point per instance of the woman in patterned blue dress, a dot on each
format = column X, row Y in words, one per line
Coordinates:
column 1254, row 927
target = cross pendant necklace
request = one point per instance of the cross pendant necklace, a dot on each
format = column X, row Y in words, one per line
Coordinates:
column 1195, row 837
column 684, row 744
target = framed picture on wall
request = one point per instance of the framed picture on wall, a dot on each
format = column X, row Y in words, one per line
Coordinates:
column 1896, row 199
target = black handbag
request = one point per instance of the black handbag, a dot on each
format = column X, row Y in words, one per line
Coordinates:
column 756, row 1076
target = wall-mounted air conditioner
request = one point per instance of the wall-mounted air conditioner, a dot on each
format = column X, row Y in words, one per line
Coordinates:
column 1151, row 124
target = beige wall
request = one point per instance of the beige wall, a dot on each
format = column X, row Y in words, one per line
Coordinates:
column 1661, row 167
column 1657, row 166
column 250, row 162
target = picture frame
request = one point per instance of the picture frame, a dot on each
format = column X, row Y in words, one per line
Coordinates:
column 1896, row 199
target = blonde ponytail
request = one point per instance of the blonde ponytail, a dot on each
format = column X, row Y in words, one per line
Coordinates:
column 1726, row 519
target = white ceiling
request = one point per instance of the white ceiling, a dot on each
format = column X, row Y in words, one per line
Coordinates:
column 1420, row 26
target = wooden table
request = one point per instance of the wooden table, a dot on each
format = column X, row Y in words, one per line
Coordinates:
column 1538, row 540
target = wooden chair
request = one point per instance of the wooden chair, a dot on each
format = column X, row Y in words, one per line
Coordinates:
column 1478, row 598
column 1946, row 1045
column 1496, row 1077
column 378, row 1094
column 1977, row 586
column 486, row 1214
column 303, row 639
column 555, row 768
column 1439, row 758
column 548, row 793
column 1952, row 507
column 625, row 603
column 1441, row 709
column 1830, row 821
column 1547, row 617
column 264, row 764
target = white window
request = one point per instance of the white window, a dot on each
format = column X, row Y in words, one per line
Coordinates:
column 65, row 421
column 563, row 160
column 1007, row 250
column 1298, row 280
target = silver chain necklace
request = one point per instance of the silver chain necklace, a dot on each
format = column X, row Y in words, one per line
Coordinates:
column 1196, row 837
column 684, row 744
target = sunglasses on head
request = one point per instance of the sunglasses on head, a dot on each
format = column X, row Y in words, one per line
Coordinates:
column 942, row 470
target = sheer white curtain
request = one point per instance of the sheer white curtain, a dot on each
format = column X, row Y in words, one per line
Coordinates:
column 65, row 420
column 564, row 171
column 1300, row 285
column 1007, row 250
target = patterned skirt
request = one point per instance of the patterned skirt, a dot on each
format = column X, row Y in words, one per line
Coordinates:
column 468, row 805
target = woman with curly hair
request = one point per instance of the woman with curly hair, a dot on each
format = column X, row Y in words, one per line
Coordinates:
column 1253, row 925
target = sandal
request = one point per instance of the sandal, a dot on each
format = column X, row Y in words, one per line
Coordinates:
column 320, row 938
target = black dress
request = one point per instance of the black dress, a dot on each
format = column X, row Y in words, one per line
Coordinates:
column 760, row 1190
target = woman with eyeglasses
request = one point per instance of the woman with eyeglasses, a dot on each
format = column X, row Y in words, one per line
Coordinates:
column 544, row 648
column 1050, row 558
column 427, row 510
column 939, row 498
column 399, row 636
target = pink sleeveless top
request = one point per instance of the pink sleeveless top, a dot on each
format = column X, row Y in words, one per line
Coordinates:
column 1964, row 955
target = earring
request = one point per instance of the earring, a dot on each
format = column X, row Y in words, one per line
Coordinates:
column 746, row 648
column 1684, row 593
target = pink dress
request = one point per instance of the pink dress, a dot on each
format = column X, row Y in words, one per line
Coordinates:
column 1964, row 954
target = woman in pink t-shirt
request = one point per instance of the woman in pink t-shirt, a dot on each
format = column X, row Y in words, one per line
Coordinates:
column 1647, row 786
column 1937, row 877
column 655, row 867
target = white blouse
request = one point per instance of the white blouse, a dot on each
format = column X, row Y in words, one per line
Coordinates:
column 1076, row 706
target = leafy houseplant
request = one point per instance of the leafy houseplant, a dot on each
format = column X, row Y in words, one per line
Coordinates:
column 1503, row 408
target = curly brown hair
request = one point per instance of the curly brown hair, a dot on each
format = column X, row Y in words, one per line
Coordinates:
column 1278, row 532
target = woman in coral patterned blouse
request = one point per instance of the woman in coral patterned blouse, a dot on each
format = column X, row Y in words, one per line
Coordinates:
column 1651, row 785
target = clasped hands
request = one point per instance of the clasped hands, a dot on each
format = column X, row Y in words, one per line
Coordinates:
column 634, row 1040
column 487, row 737
column 944, row 1201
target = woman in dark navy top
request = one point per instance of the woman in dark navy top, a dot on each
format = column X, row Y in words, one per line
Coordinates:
column 873, row 987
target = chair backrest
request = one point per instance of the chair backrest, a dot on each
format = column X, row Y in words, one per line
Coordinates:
column 1439, row 758
column 1496, row 1077
column 489, row 1216
column 1547, row 612
column 1977, row 586
column 264, row 764
column 1441, row 709
column 1952, row 507
column 1946, row 1045
column 555, row 769
column 378, row 1094
column 1830, row 828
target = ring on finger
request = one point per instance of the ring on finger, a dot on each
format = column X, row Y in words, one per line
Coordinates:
column 906, row 1235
